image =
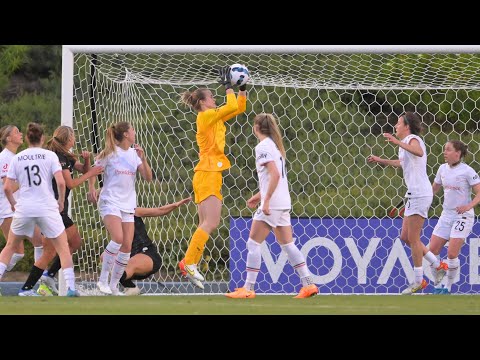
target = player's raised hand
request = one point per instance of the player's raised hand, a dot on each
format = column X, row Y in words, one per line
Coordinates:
column 140, row 151
column 391, row 138
column 86, row 156
column 224, row 76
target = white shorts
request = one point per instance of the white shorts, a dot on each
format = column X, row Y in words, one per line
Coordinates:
column 418, row 206
column 454, row 225
column 109, row 209
column 5, row 216
column 51, row 225
column 276, row 217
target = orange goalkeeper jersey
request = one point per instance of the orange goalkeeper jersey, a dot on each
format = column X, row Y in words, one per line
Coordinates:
column 211, row 133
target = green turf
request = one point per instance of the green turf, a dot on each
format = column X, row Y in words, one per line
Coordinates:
column 171, row 305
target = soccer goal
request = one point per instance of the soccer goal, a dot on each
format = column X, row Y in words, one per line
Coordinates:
column 332, row 104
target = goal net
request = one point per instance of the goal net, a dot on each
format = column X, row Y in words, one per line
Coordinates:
column 332, row 109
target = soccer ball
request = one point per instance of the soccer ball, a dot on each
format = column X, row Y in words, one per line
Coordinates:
column 239, row 74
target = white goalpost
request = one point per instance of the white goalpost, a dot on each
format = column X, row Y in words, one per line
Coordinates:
column 332, row 103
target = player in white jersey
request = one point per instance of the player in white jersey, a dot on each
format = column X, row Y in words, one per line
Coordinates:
column 412, row 158
column 32, row 170
column 10, row 140
column 118, row 200
column 62, row 141
column 456, row 222
column 273, row 211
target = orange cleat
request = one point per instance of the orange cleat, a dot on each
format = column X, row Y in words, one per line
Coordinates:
column 413, row 288
column 307, row 291
column 181, row 266
column 241, row 293
column 440, row 272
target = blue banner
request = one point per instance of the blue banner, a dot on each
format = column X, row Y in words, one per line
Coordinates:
column 347, row 256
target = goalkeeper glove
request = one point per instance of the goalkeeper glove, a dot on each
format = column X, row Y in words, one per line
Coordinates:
column 243, row 87
column 225, row 77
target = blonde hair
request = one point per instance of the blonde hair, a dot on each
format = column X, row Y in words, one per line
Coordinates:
column 192, row 99
column 59, row 140
column 267, row 125
column 5, row 132
column 114, row 136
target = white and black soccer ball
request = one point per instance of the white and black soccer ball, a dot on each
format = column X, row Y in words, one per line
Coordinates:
column 240, row 75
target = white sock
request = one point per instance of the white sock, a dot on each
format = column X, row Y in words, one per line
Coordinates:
column 13, row 261
column 3, row 267
column 119, row 266
column 453, row 268
column 254, row 261
column 108, row 259
column 37, row 252
column 296, row 259
column 69, row 276
column 418, row 274
column 432, row 259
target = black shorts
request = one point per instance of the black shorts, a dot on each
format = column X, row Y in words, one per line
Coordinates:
column 152, row 252
column 66, row 220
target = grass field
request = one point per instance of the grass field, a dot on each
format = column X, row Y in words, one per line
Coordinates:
column 261, row 305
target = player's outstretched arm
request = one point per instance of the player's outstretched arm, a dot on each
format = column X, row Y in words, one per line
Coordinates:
column 160, row 211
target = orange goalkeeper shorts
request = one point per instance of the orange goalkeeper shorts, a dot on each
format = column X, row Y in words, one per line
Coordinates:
column 207, row 183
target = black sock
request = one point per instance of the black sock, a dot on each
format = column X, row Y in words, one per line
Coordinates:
column 35, row 274
column 53, row 270
column 126, row 283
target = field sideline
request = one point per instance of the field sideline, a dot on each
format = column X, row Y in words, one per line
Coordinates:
column 261, row 305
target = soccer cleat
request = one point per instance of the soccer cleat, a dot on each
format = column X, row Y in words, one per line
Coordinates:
column 413, row 288
column 440, row 272
column 72, row 293
column 190, row 270
column 444, row 291
column 241, row 293
column 132, row 291
column 181, row 266
column 44, row 290
column 50, row 283
column 191, row 273
column 196, row 282
column 30, row 292
column 116, row 292
column 307, row 291
column 104, row 288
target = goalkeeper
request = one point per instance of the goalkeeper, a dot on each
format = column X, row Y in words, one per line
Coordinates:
column 207, row 181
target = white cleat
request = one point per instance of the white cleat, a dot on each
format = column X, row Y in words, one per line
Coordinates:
column 132, row 291
column 27, row 293
column 116, row 292
column 193, row 273
column 196, row 282
column 104, row 288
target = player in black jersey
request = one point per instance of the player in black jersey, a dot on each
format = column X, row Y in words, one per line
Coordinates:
column 144, row 259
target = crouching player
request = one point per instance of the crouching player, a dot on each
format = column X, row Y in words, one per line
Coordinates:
column 145, row 259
